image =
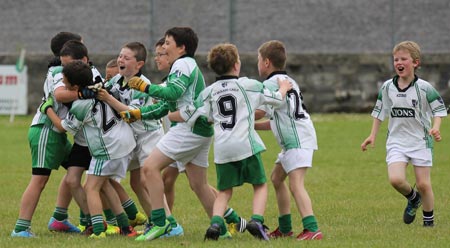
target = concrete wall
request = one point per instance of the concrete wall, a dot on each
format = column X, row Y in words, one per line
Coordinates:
column 339, row 50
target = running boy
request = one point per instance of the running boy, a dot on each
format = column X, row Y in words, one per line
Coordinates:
column 295, row 133
column 230, row 103
column 410, row 103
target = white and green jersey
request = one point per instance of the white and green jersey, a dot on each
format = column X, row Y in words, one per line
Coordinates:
column 134, row 99
column 51, row 81
column 96, row 77
column 290, row 123
column 231, row 103
column 108, row 136
column 409, row 111
column 184, row 83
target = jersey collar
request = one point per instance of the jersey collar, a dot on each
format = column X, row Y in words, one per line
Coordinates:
column 395, row 81
column 275, row 73
column 120, row 81
column 224, row 77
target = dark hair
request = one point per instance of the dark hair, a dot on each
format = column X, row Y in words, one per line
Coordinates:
column 160, row 42
column 74, row 49
column 60, row 39
column 78, row 73
column 184, row 36
column 140, row 52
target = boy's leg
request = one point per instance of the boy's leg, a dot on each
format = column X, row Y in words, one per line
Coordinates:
column 142, row 195
column 218, row 228
column 278, row 178
column 170, row 175
column 256, row 225
column 423, row 183
column 93, row 186
column 197, row 177
column 127, row 203
column 29, row 201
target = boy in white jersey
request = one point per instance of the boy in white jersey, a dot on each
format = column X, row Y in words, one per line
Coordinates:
column 230, row 103
column 410, row 103
column 182, row 143
column 110, row 143
column 296, row 136
column 49, row 148
column 148, row 132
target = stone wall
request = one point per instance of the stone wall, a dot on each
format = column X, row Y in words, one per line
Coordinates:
column 330, row 83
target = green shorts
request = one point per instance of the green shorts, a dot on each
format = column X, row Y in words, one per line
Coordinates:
column 249, row 170
column 49, row 149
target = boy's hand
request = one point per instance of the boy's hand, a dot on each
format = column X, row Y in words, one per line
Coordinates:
column 284, row 85
column 46, row 104
column 436, row 134
column 86, row 93
column 138, row 84
column 131, row 115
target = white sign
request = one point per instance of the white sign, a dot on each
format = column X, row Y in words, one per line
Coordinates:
column 13, row 90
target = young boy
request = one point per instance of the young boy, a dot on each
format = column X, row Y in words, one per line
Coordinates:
column 409, row 102
column 49, row 148
column 295, row 133
column 182, row 143
column 148, row 132
column 110, row 144
column 230, row 103
column 111, row 69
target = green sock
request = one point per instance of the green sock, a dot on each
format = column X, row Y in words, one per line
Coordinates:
column 110, row 217
column 159, row 217
column 122, row 220
column 231, row 216
column 310, row 223
column 258, row 218
column 22, row 225
column 60, row 214
column 130, row 208
column 83, row 219
column 285, row 223
column 172, row 220
column 97, row 224
column 219, row 220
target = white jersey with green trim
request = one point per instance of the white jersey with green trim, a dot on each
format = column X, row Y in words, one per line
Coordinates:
column 290, row 123
column 134, row 99
column 231, row 103
column 409, row 111
column 78, row 138
column 51, row 81
column 108, row 136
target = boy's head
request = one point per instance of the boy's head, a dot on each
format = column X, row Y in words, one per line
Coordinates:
column 76, row 75
column 73, row 50
column 60, row 39
column 161, row 59
column 271, row 57
column 131, row 58
column 111, row 69
column 407, row 47
column 180, row 41
column 223, row 59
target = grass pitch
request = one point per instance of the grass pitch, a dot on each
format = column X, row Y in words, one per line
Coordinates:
column 352, row 199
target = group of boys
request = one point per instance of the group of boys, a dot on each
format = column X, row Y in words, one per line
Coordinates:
column 117, row 128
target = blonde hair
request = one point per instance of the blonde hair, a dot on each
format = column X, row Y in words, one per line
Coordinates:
column 222, row 58
column 412, row 47
column 275, row 51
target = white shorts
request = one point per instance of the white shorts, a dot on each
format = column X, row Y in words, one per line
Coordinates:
column 114, row 168
column 145, row 144
column 183, row 146
column 295, row 158
column 423, row 157
column 177, row 165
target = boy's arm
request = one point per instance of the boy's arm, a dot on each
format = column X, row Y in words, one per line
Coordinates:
column 175, row 116
column 65, row 96
column 55, row 120
column 434, row 131
column 117, row 105
column 262, row 125
column 171, row 92
column 150, row 112
column 373, row 134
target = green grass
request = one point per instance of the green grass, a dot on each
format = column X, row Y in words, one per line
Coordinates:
column 352, row 199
